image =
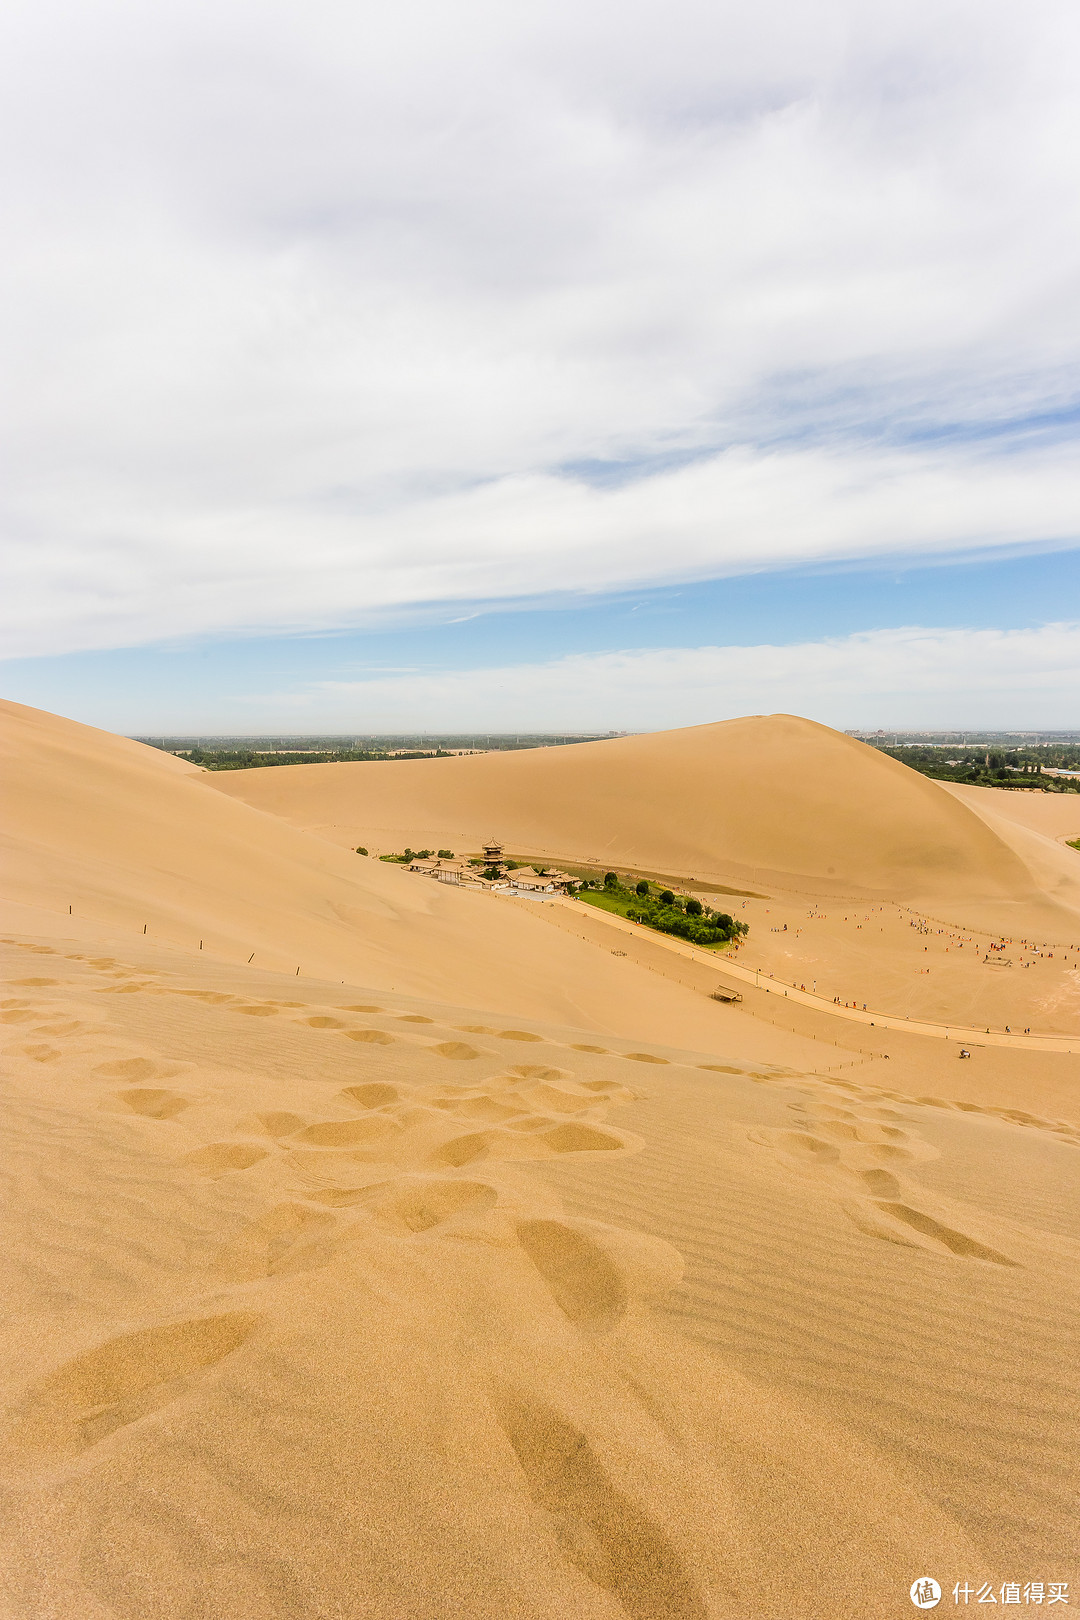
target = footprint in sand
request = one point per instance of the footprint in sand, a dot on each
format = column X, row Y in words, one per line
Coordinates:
column 123, row 1380
column 518, row 1035
column 153, row 1104
column 372, row 1095
column 461, row 1150
column 278, row 1122
column 321, row 1021
column 457, row 1050
column 339, row 1133
column 598, row 1529
column 414, row 1018
column 955, row 1242
column 219, row 1157
column 582, row 1139
column 807, row 1147
column 264, row 1011
column 137, row 1069
column 560, row 1099
column 42, row 1054
column 882, row 1183
column 289, row 1237
column 371, row 1037
column 601, row 1049
column 421, row 1203
column 644, row 1057
column 585, row 1283
column 487, row 1109
column 362, row 1009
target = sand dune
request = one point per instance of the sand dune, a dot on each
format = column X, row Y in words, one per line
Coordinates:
column 508, row 1279
column 490, row 1322
column 129, row 837
column 1036, row 827
column 768, row 801
column 1054, row 815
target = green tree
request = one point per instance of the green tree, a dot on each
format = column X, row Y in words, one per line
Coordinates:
column 693, row 908
column 611, row 880
column 446, row 854
column 642, row 888
column 667, row 898
column 360, row 850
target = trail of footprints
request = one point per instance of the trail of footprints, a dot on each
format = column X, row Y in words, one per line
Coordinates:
column 411, row 1158
column 860, row 1154
column 414, row 1158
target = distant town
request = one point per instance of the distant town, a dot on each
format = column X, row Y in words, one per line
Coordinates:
column 1040, row 761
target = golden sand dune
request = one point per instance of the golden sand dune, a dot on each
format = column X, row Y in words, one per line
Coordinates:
column 602, row 1302
column 497, row 1324
column 128, row 837
column 767, row 801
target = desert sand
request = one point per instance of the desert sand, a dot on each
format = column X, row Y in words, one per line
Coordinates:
column 476, row 1270
column 811, row 829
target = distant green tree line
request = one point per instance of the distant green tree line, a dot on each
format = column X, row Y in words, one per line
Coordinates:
column 984, row 766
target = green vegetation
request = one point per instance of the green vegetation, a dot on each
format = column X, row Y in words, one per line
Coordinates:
column 246, row 759
column 409, row 856
column 667, row 913
column 1073, row 843
column 986, row 766
column 445, row 854
column 253, row 752
column 360, row 850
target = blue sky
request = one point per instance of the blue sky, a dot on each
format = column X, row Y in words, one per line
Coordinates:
column 238, row 682
column 571, row 369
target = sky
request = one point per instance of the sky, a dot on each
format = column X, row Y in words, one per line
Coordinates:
column 573, row 367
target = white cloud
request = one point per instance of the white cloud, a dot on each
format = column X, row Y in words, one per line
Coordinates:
column 911, row 677
column 310, row 308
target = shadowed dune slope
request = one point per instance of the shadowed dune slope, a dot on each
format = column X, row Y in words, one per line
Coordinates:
column 1035, row 826
column 763, row 800
column 128, row 836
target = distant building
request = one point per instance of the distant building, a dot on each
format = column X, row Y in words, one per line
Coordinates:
column 442, row 871
column 525, row 879
column 534, row 882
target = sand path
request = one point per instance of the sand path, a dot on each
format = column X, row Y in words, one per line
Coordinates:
column 876, row 1020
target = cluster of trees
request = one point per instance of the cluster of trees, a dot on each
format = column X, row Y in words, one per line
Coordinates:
column 670, row 913
column 246, row 759
column 411, row 855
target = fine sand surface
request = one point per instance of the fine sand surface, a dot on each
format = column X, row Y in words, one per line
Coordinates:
column 508, row 1277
